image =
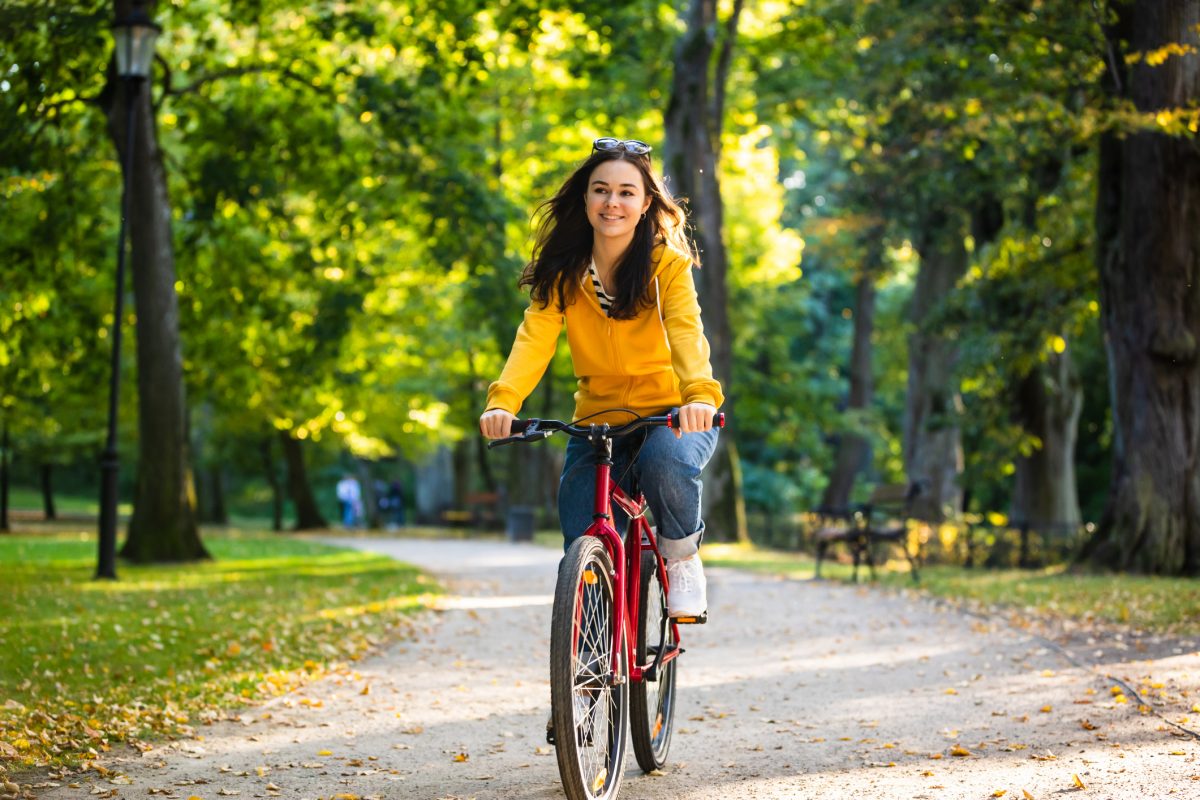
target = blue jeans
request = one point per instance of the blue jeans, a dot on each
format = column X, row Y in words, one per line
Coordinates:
column 667, row 470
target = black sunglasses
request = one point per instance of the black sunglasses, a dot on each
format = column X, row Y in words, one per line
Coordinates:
column 608, row 144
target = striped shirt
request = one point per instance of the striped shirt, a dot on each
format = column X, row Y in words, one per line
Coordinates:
column 606, row 300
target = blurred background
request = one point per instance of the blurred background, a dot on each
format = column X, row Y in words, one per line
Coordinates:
column 907, row 212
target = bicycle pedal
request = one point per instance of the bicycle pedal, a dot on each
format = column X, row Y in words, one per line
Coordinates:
column 691, row 620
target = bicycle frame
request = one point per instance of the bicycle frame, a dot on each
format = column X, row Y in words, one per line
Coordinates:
column 627, row 564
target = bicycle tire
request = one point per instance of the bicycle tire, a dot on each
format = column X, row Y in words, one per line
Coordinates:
column 652, row 703
column 589, row 705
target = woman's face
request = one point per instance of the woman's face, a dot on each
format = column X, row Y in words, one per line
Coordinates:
column 616, row 199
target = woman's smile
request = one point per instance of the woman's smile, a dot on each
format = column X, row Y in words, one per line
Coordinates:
column 616, row 198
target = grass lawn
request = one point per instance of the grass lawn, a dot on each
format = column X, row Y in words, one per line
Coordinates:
column 23, row 497
column 1167, row 605
column 85, row 663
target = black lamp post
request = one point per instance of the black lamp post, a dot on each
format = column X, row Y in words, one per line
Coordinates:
column 134, row 37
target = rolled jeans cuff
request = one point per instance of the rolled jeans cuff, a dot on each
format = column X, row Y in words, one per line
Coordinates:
column 677, row 549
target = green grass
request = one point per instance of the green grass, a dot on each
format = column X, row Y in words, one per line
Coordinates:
column 86, row 663
column 25, row 498
column 1167, row 605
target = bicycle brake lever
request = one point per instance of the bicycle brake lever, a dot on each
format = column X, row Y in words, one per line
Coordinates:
column 531, row 436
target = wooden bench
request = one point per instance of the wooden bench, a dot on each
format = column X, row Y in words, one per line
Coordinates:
column 481, row 510
column 883, row 518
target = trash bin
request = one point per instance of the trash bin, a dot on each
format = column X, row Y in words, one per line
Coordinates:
column 520, row 524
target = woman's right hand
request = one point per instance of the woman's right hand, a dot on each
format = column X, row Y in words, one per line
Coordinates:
column 496, row 424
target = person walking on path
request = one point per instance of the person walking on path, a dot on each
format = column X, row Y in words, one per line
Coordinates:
column 613, row 263
column 349, row 495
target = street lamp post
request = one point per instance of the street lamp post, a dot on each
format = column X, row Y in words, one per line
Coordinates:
column 134, row 36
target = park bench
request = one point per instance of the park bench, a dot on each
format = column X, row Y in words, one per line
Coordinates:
column 883, row 518
column 481, row 510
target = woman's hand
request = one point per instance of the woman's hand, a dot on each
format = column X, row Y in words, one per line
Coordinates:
column 496, row 424
column 695, row 417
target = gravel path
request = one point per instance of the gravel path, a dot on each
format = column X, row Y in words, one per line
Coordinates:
column 795, row 689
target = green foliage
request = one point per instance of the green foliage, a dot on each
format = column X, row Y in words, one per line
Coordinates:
column 352, row 188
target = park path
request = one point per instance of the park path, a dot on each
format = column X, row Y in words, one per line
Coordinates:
column 795, row 689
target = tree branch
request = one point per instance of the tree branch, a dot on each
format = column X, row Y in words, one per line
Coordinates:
column 233, row 72
column 719, row 81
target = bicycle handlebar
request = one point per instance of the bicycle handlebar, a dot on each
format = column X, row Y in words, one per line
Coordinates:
column 534, row 430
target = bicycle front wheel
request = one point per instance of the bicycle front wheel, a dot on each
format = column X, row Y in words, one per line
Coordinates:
column 652, row 706
column 588, row 700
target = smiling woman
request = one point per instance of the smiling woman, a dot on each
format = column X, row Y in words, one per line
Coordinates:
column 613, row 263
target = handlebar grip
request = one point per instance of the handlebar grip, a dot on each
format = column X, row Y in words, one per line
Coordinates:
column 673, row 419
column 519, row 425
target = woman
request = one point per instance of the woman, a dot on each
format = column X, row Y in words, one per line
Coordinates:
column 612, row 262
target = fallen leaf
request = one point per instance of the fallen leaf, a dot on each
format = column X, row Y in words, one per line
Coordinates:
column 1078, row 782
column 1087, row 725
column 1027, row 795
column 959, row 750
column 1046, row 709
column 461, row 757
column 999, row 793
column 324, row 752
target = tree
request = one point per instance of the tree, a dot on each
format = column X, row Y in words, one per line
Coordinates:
column 163, row 527
column 1148, row 237
column 853, row 448
column 693, row 122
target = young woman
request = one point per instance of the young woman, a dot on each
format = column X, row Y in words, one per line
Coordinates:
column 612, row 261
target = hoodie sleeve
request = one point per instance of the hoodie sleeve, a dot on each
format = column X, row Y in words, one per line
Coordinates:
column 531, row 352
column 690, row 355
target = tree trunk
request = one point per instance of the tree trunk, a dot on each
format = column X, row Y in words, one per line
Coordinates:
column 163, row 527
column 308, row 515
column 1047, row 404
column 854, row 451
column 434, row 485
column 47, row 475
column 4, row 524
column 692, row 144
column 272, row 480
column 932, row 439
column 1148, row 237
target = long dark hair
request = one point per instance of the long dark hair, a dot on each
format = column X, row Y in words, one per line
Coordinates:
column 563, row 246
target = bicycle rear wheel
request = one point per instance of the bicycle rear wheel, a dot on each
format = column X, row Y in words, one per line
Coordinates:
column 652, row 701
column 589, row 703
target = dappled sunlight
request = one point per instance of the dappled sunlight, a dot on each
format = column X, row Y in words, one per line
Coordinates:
column 459, row 603
column 397, row 603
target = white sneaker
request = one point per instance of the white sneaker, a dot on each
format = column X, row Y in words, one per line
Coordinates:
column 688, row 596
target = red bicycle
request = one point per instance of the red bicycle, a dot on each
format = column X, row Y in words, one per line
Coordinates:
column 613, row 649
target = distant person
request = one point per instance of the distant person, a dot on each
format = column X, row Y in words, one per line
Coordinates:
column 349, row 495
column 395, row 504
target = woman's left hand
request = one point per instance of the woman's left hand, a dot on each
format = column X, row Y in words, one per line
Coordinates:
column 695, row 417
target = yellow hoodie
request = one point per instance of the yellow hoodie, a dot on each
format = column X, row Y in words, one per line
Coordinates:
column 656, row 361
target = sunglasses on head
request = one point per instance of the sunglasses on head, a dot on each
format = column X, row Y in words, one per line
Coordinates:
column 608, row 144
